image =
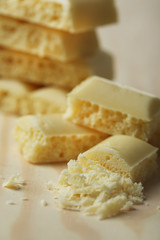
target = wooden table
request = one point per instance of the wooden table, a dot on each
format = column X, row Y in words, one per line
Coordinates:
column 134, row 48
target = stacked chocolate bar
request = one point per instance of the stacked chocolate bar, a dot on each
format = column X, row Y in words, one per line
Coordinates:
column 46, row 43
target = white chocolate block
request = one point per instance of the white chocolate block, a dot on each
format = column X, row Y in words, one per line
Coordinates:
column 114, row 109
column 13, row 96
column 126, row 155
column 45, row 42
column 50, row 138
column 87, row 186
column 68, row 15
column 93, row 190
column 47, row 100
column 21, row 98
column 29, row 68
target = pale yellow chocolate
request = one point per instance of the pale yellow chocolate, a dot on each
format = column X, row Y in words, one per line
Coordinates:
column 45, row 42
column 114, row 109
column 21, row 98
column 13, row 96
column 48, row 100
column 68, row 15
column 29, row 68
column 123, row 154
column 14, row 182
column 50, row 138
column 94, row 190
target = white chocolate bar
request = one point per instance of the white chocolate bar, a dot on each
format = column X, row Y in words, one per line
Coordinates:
column 100, row 182
column 45, row 42
column 114, row 109
column 126, row 155
column 13, row 96
column 50, row 138
column 42, row 71
column 68, row 15
column 21, row 98
column 48, row 100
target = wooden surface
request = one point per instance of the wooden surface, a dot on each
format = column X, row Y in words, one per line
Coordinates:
column 134, row 47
